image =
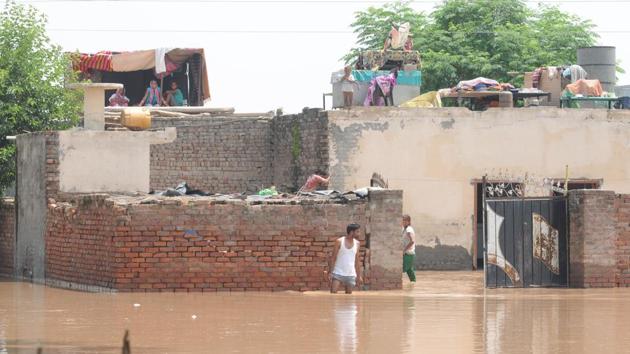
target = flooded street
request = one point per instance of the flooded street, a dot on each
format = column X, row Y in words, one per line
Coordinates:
column 446, row 312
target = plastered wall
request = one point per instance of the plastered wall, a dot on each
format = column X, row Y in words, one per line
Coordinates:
column 434, row 154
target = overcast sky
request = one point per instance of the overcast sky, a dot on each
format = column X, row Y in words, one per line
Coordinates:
column 262, row 54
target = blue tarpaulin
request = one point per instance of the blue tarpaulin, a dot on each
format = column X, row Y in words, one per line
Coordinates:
column 409, row 78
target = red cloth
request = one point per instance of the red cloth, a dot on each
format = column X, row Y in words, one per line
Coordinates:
column 587, row 88
column 101, row 61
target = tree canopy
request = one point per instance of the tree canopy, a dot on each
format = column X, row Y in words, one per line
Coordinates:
column 464, row 39
column 32, row 76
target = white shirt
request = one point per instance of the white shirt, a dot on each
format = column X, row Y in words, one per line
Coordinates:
column 408, row 235
column 344, row 264
column 348, row 84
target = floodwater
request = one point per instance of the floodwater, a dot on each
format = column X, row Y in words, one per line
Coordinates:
column 445, row 312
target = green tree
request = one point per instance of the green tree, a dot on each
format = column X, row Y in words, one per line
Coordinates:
column 32, row 76
column 464, row 39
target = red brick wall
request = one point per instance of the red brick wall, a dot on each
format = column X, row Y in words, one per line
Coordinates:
column 79, row 241
column 622, row 211
column 384, row 213
column 599, row 239
column 206, row 244
column 7, row 236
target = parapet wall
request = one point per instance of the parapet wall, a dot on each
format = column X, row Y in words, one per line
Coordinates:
column 214, row 154
column 599, row 243
column 245, row 153
column 210, row 244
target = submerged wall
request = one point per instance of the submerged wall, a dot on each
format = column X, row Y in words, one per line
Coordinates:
column 435, row 154
column 209, row 244
column 7, row 236
column 600, row 239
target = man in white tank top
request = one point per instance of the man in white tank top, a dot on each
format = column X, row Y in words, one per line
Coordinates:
column 344, row 262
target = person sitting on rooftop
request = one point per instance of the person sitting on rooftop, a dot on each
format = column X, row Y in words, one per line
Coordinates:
column 314, row 181
column 152, row 97
column 174, row 96
column 118, row 99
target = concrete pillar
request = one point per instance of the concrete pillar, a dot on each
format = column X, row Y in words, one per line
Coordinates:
column 93, row 107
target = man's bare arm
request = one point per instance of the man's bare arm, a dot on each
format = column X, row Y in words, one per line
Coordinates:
column 357, row 263
column 333, row 258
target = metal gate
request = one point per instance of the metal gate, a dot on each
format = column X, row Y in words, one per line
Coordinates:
column 526, row 242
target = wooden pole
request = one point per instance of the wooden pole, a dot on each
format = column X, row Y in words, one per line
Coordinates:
column 161, row 91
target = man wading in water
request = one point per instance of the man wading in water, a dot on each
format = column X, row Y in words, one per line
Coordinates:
column 409, row 248
column 345, row 261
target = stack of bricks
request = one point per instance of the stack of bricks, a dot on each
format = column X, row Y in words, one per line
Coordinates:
column 593, row 239
column 622, row 212
column 213, row 244
column 299, row 148
column 217, row 155
column 7, row 236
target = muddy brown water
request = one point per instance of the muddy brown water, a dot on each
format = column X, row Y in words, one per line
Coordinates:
column 445, row 312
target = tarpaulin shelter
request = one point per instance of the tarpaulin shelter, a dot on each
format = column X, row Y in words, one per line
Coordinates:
column 186, row 66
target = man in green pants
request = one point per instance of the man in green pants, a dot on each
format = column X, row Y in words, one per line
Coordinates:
column 409, row 248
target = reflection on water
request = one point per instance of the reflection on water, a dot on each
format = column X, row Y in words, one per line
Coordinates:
column 345, row 313
column 443, row 313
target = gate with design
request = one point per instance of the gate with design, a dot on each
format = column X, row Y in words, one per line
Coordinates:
column 526, row 241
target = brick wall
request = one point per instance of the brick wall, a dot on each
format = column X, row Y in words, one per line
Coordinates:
column 7, row 236
column 299, row 148
column 52, row 165
column 79, row 241
column 217, row 155
column 622, row 211
column 384, row 212
column 599, row 244
column 208, row 244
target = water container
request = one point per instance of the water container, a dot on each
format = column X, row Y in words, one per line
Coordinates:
column 600, row 63
column 136, row 118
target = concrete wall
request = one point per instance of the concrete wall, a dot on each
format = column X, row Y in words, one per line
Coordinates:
column 433, row 154
column 7, row 236
column 103, row 161
column 31, row 204
column 209, row 244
